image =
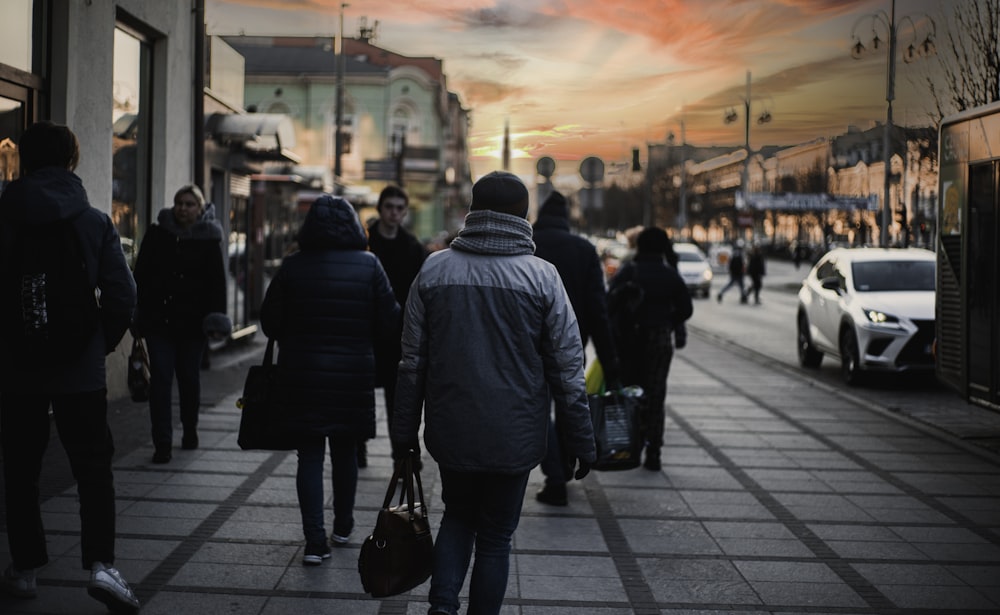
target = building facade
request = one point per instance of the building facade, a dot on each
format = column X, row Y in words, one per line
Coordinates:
column 102, row 67
column 399, row 123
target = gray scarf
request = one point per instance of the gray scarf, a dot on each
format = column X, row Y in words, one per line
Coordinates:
column 490, row 232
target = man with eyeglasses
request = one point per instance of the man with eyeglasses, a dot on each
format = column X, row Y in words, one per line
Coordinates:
column 401, row 255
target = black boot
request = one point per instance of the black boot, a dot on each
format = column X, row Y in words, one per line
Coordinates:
column 553, row 495
column 652, row 458
column 189, row 441
column 162, row 453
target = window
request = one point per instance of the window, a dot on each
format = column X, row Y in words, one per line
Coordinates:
column 130, row 206
column 16, row 30
column 21, row 79
column 878, row 276
column 398, row 131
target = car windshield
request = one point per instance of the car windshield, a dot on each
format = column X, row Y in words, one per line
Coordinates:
column 876, row 276
column 689, row 257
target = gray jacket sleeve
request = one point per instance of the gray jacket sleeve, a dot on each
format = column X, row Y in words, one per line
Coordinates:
column 412, row 373
column 564, row 359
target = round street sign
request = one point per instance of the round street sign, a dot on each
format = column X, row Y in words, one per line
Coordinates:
column 592, row 169
column 545, row 166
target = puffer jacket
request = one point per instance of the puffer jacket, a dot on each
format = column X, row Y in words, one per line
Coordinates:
column 181, row 275
column 45, row 196
column 488, row 331
column 325, row 307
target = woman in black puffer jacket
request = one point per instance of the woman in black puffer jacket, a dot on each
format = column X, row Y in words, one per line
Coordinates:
column 325, row 307
column 643, row 324
column 181, row 279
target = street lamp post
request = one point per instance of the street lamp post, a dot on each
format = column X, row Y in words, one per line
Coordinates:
column 682, row 205
column 338, row 136
column 913, row 52
column 730, row 117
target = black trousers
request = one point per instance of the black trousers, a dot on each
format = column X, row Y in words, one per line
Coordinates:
column 649, row 367
column 82, row 425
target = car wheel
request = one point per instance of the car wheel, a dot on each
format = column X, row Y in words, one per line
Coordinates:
column 808, row 355
column 850, row 358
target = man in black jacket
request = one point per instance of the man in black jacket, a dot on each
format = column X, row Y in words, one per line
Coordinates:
column 579, row 266
column 74, row 387
column 401, row 255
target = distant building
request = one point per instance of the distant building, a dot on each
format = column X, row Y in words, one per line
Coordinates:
column 836, row 185
column 399, row 122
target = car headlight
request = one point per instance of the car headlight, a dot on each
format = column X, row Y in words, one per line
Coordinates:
column 706, row 275
column 879, row 317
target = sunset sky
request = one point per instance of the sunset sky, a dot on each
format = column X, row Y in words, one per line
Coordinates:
column 591, row 77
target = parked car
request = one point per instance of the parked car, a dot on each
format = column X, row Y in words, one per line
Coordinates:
column 871, row 307
column 694, row 268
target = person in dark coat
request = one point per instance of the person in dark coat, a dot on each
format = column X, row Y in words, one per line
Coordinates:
column 579, row 266
column 644, row 334
column 75, row 388
column 756, row 271
column 489, row 337
column 401, row 255
column 325, row 307
column 736, row 271
column 181, row 275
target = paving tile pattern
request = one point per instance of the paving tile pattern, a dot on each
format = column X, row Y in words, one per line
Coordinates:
column 775, row 497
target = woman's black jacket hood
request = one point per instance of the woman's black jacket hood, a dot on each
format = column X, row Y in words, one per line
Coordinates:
column 333, row 224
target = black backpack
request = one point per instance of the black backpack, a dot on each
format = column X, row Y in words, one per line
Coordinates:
column 626, row 307
column 50, row 308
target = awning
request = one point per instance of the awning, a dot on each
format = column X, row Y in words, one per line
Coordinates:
column 265, row 136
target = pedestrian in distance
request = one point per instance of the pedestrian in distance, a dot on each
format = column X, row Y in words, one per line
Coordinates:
column 736, row 271
column 488, row 334
column 644, row 325
column 582, row 274
column 181, row 276
column 756, row 271
column 50, row 199
column 324, row 308
column 401, row 255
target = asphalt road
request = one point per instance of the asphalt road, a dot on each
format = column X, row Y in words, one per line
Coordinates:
column 768, row 330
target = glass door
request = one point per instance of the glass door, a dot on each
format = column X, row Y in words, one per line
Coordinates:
column 982, row 304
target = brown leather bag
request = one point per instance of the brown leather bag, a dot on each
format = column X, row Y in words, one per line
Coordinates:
column 398, row 554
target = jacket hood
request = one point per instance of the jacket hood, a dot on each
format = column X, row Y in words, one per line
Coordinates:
column 332, row 224
column 205, row 227
column 47, row 195
column 546, row 222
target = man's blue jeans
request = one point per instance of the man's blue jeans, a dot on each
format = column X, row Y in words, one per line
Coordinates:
column 482, row 511
column 309, row 484
column 169, row 356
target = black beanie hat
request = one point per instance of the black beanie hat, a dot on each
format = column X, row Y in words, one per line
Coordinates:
column 502, row 192
column 652, row 240
column 554, row 205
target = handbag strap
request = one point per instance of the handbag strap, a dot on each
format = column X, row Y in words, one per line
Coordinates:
column 406, row 473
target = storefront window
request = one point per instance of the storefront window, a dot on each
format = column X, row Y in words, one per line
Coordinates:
column 130, row 207
column 15, row 33
column 11, row 120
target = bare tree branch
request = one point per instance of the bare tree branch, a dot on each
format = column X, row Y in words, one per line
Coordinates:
column 969, row 61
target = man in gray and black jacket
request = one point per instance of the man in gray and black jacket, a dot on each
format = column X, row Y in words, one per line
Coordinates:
column 488, row 335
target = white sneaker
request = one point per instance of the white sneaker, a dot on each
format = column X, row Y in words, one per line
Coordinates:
column 19, row 583
column 339, row 541
column 108, row 586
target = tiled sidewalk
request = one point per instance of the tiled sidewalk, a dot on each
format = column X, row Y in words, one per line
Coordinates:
column 775, row 497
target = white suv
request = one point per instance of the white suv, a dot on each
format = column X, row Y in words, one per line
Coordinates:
column 871, row 307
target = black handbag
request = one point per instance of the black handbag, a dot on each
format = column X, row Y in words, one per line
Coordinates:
column 138, row 371
column 260, row 403
column 398, row 555
column 615, row 415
